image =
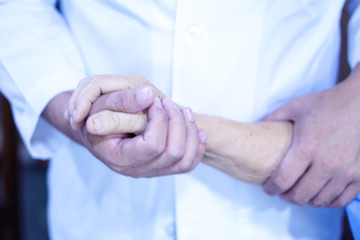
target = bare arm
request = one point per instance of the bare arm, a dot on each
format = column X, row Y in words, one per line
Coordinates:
column 322, row 166
column 170, row 144
column 249, row 152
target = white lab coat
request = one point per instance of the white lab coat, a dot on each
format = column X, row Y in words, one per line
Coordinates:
column 237, row 59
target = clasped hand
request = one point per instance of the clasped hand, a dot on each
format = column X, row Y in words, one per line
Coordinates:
column 321, row 167
column 170, row 143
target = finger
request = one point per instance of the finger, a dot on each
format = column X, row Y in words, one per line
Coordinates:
column 90, row 90
column 74, row 96
column 175, row 143
column 128, row 101
column 307, row 187
column 328, row 194
column 286, row 112
column 189, row 159
column 119, row 103
column 144, row 148
column 349, row 194
column 289, row 171
column 109, row 122
column 103, row 148
column 137, row 80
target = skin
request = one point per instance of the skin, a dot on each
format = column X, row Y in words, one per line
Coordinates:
column 249, row 152
column 170, row 144
column 322, row 165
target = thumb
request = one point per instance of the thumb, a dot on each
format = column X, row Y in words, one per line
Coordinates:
column 109, row 122
column 286, row 112
column 130, row 100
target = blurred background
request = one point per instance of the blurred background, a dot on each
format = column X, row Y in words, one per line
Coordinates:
column 23, row 190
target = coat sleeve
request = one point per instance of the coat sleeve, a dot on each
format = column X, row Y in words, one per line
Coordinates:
column 354, row 32
column 38, row 60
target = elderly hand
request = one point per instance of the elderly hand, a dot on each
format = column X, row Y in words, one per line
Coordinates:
column 170, row 143
column 249, row 152
column 322, row 166
column 90, row 89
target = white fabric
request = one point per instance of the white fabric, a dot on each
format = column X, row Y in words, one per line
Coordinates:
column 238, row 59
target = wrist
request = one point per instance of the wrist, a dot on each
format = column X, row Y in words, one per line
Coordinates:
column 54, row 113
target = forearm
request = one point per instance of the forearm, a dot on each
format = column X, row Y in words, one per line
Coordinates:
column 247, row 151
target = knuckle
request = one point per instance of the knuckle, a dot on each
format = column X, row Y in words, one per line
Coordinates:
column 192, row 167
column 112, row 121
column 319, row 202
column 141, row 78
column 342, row 202
column 96, row 79
column 133, row 172
column 175, row 153
column 84, row 81
column 116, row 168
column 300, row 202
column 155, row 148
column 136, row 175
column 184, row 166
column 119, row 102
column 302, row 155
column 352, row 174
column 329, row 167
column 297, row 199
column 281, row 183
column 137, row 80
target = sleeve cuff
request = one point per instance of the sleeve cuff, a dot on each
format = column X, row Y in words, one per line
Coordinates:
column 40, row 138
column 46, row 139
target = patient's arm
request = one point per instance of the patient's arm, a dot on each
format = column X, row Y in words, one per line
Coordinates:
column 247, row 151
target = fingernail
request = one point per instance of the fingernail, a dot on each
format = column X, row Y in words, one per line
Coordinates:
column 189, row 115
column 67, row 114
column 143, row 94
column 202, row 135
column 97, row 125
column 157, row 102
column 72, row 122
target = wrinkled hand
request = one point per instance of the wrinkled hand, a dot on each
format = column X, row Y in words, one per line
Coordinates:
column 322, row 166
column 90, row 89
column 170, row 143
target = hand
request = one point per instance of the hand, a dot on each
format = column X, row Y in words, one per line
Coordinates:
column 322, row 166
column 89, row 89
column 261, row 145
column 170, row 144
